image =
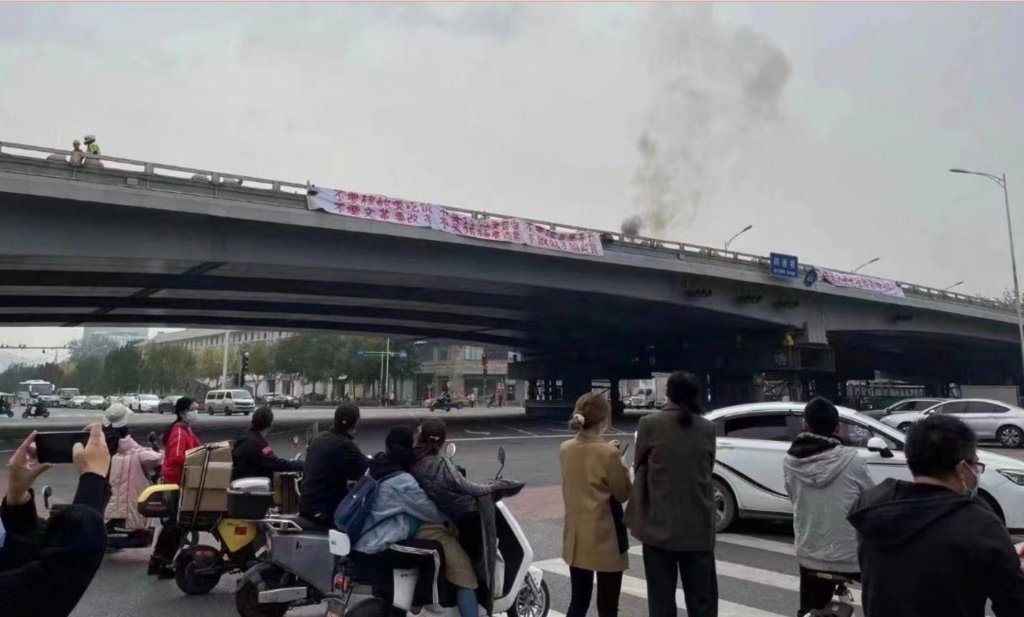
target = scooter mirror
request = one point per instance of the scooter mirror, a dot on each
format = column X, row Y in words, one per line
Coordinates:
column 295, row 440
column 501, row 455
column 450, row 449
column 151, row 438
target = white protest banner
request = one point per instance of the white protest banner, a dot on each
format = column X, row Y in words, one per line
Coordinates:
column 418, row 214
column 864, row 283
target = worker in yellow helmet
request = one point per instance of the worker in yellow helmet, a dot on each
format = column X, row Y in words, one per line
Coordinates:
column 91, row 147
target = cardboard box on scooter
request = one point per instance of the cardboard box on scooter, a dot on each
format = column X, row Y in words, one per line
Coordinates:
column 214, row 497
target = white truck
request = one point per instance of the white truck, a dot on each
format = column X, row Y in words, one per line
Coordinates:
column 1006, row 394
column 648, row 393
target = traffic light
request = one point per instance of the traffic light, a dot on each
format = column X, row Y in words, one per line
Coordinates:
column 245, row 364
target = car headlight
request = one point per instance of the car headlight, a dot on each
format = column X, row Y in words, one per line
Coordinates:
column 1017, row 477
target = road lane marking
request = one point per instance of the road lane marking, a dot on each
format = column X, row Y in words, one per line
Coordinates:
column 771, row 578
column 476, row 432
column 637, row 587
column 783, row 548
column 518, row 430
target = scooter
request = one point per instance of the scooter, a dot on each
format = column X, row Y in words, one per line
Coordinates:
column 35, row 409
column 310, row 563
column 237, row 534
column 119, row 536
column 842, row 604
column 444, row 402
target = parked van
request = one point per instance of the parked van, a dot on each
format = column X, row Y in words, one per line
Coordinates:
column 228, row 402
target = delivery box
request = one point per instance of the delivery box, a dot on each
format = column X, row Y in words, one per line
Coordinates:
column 216, row 460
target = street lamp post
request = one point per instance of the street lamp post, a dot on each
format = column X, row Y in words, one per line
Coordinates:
column 865, row 264
column 739, row 233
column 1001, row 181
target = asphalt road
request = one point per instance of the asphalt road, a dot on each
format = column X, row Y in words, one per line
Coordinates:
column 756, row 567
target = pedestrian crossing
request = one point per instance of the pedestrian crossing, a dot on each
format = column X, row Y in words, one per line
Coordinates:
column 784, row 584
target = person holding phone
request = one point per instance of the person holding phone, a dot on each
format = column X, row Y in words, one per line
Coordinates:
column 178, row 440
column 595, row 483
column 45, row 568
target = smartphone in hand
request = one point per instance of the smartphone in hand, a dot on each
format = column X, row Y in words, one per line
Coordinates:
column 58, row 446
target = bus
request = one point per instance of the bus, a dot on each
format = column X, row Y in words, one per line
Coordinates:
column 28, row 390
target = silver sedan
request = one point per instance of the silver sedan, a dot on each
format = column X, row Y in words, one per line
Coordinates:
column 992, row 420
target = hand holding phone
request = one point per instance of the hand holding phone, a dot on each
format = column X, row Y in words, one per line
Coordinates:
column 23, row 469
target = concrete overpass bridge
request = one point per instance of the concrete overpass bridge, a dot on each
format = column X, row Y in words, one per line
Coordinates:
column 142, row 243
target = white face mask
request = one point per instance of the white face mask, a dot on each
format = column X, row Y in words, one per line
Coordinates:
column 191, row 416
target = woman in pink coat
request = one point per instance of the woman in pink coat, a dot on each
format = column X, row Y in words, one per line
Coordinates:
column 129, row 467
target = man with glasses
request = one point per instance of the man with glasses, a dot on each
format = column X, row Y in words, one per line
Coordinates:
column 932, row 546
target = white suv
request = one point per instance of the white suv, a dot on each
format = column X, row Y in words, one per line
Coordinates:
column 228, row 402
column 753, row 440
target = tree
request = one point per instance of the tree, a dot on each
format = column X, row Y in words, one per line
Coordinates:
column 51, row 372
column 210, row 364
column 86, row 375
column 122, row 369
column 167, row 368
column 98, row 346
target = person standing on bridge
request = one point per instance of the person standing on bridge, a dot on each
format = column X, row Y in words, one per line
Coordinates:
column 672, row 506
column 595, row 484
column 92, row 147
column 178, row 440
column 823, row 478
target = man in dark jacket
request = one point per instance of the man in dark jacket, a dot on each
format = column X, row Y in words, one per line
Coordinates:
column 252, row 456
column 333, row 463
column 932, row 547
column 45, row 568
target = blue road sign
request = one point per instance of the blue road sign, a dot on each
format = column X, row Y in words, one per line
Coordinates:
column 403, row 355
column 360, row 352
column 784, row 265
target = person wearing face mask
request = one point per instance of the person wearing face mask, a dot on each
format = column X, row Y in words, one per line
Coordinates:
column 932, row 546
column 178, row 440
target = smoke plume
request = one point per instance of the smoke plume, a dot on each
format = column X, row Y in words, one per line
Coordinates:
column 714, row 87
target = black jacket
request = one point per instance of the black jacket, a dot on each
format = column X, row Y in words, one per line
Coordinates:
column 252, row 457
column 333, row 463
column 926, row 551
column 46, row 567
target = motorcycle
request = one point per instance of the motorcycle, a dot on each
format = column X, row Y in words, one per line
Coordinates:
column 444, row 402
column 310, row 563
column 35, row 409
column 238, row 540
column 5, row 406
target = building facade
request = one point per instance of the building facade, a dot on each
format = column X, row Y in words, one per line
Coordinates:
column 460, row 368
column 118, row 335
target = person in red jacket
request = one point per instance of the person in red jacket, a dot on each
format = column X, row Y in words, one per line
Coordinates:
column 178, row 440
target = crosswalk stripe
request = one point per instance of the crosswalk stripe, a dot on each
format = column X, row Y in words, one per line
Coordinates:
column 783, row 548
column 638, row 587
column 754, row 575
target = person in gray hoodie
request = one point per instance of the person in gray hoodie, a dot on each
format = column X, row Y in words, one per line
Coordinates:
column 824, row 479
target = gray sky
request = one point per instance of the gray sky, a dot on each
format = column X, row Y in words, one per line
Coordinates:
column 828, row 127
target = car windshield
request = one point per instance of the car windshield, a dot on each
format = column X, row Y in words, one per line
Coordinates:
column 149, row 397
column 240, row 394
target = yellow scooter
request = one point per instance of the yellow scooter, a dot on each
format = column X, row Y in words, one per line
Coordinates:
column 238, row 536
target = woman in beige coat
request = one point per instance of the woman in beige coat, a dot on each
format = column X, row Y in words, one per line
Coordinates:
column 595, row 482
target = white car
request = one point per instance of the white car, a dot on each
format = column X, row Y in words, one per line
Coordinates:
column 991, row 420
column 78, row 402
column 145, row 403
column 753, row 440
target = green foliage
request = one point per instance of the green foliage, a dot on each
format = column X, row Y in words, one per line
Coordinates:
column 96, row 346
column 167, row 368
column 87, row 375
column 122, row 369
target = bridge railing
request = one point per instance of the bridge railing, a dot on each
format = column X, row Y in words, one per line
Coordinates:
column 635, row 244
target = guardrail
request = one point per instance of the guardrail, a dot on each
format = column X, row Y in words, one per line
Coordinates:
column 641, row 244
